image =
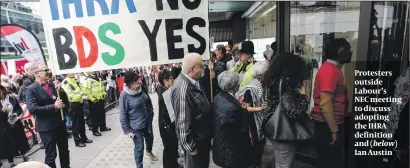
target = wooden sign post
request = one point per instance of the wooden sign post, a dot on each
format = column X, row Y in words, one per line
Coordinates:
column 58, row 98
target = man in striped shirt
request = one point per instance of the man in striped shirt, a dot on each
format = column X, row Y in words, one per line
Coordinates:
column 193, row 113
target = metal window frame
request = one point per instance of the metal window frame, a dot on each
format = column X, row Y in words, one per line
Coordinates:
column 283, row 25
column 361, row 64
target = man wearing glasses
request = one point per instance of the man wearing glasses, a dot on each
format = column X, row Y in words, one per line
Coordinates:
column 166, row 124
column 44, row 104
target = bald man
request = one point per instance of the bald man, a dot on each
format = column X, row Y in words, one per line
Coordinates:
column 193, row 113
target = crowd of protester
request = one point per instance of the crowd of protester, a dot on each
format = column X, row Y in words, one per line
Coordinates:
column 82, row 98
column 231, row 104
column 228, row 104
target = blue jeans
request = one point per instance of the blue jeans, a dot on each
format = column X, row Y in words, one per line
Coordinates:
column 68, row 121
column 139, row 137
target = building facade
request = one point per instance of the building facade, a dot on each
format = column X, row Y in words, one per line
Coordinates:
column 23, row 15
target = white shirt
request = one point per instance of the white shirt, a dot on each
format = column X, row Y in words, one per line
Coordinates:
column 194, row 82
column 110, row 82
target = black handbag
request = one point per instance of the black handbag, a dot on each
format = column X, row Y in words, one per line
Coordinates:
column 279, row 127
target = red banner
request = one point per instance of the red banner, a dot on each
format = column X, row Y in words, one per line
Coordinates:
column 28, row 120
column 19, row 65
column 3, row 68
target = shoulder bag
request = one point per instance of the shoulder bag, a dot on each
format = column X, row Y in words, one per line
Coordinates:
column 279, row 127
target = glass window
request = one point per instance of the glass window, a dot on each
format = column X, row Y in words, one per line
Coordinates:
column 263, row 23
column 12, row 20
column 261, row 45
column 262, row 28
column 313, row 24
column 218, row 43
column 389, row 41
column 3, row 19
column 36, row 27
column 11, row 49
column 12, row 6
column 3, row 4
column 41, row 28
column 5, row 43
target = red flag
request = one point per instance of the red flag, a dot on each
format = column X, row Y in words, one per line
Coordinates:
column 3, row 68
column 120, row 83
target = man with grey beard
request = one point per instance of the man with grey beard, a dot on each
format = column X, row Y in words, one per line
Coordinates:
column 192, row 113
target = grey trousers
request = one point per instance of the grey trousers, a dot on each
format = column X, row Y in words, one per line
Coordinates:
column 284, row 153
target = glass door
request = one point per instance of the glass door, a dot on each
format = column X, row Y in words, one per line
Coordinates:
column 313, row 24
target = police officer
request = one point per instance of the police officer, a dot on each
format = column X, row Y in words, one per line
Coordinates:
column 95, row 91
column 75, row 98
column 245, row 67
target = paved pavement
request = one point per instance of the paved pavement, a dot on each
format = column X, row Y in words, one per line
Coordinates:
column 115, row 150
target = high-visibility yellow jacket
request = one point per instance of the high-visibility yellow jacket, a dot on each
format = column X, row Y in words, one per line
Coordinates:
column 73, row 91
column 93, row 89
column 247, row 75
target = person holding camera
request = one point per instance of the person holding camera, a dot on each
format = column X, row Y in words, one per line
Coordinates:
column 13, row 140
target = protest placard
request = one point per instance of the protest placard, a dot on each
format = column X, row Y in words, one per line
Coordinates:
column 168, row 104
column 85, row 35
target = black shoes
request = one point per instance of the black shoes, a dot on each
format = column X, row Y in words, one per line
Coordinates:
column 96, row 133
column 26, row 159
column 87, row 141
column 105, row 129
column 80, row 145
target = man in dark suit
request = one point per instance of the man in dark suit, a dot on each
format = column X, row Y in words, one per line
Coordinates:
column 42, row 102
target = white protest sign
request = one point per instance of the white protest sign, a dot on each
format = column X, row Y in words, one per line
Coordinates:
column 92, row 35
column 168, row 104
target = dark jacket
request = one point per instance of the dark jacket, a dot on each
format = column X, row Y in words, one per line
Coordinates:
column 13, row 137
column 163, row 116
column 164, row 121
column 206, row 83
column 41, row 105
column 21, row 94
column 3, row 122
column 5, row 137
column 192, row 114
column 230, row 134
column 220, row 66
